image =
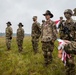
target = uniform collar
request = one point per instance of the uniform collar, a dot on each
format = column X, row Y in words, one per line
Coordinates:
column 35, row 22
column 69, row 21
column 49, row 22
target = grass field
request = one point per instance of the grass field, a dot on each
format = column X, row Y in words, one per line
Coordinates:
column 14, row 63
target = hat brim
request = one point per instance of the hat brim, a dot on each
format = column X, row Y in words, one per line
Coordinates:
column 51, row 15
column 9, row 23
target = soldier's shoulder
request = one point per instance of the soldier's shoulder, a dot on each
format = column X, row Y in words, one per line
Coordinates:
column 74, row 21
column 22, row 29
column 6, row 27
column 32, row 23
column 38, row 23
column 53, row 23
column 18, row 29
column 10, row 28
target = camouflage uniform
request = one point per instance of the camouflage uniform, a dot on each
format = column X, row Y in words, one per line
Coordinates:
column 9, row 33
column 43, row 21
column 75, row 30
column 61, row 26
column 70, row 47
column 74, row 12
column 36, row 32
column 20, row 37
column 74, row 15
column 70, row 65
column 48, row 38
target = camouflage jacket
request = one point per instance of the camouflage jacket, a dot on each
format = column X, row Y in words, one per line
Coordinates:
column 9, row 32
column 75, row 30
column 49, row 31
column 70, row 35
column 20, row 33
column 60, row 26
column 36, row 30
column 70, row 47
column 41, row 28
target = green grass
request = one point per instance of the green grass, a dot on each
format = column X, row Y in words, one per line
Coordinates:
column 14, row 63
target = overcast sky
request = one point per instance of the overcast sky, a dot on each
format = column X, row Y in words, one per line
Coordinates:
column 23, row 10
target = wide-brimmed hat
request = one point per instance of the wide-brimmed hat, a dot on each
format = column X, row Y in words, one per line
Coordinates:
column 48, row 13
column 20, row 24
column 9, row 23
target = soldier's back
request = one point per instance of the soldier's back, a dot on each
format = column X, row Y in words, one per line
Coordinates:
column 36, row 29
column 20, row 33
column 8, row 32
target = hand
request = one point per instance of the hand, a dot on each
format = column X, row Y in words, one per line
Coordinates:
column 10, row 37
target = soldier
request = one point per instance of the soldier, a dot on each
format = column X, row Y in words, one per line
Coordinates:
column 48, row 37
column 20, row 37
column 9, row 33
column 61, row 26
column 74, row 12
column 74, row 17
column 69, row 34
column 61, row 20
column 36, row 32
column 43, row 21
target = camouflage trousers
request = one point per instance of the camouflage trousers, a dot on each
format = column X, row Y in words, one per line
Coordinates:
column 70, row 66
column 20, row 44
column 47, row 48
column 8, row 43
column 35, row 45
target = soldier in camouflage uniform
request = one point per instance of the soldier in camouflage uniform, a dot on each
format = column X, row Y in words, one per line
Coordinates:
column 43, row 21
column 69, row 34
column 61, row 26
column 48, row 37
column 74, row 15
column 36, row 32
column 20, row 37
column 9, row 33
column 74, row 12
